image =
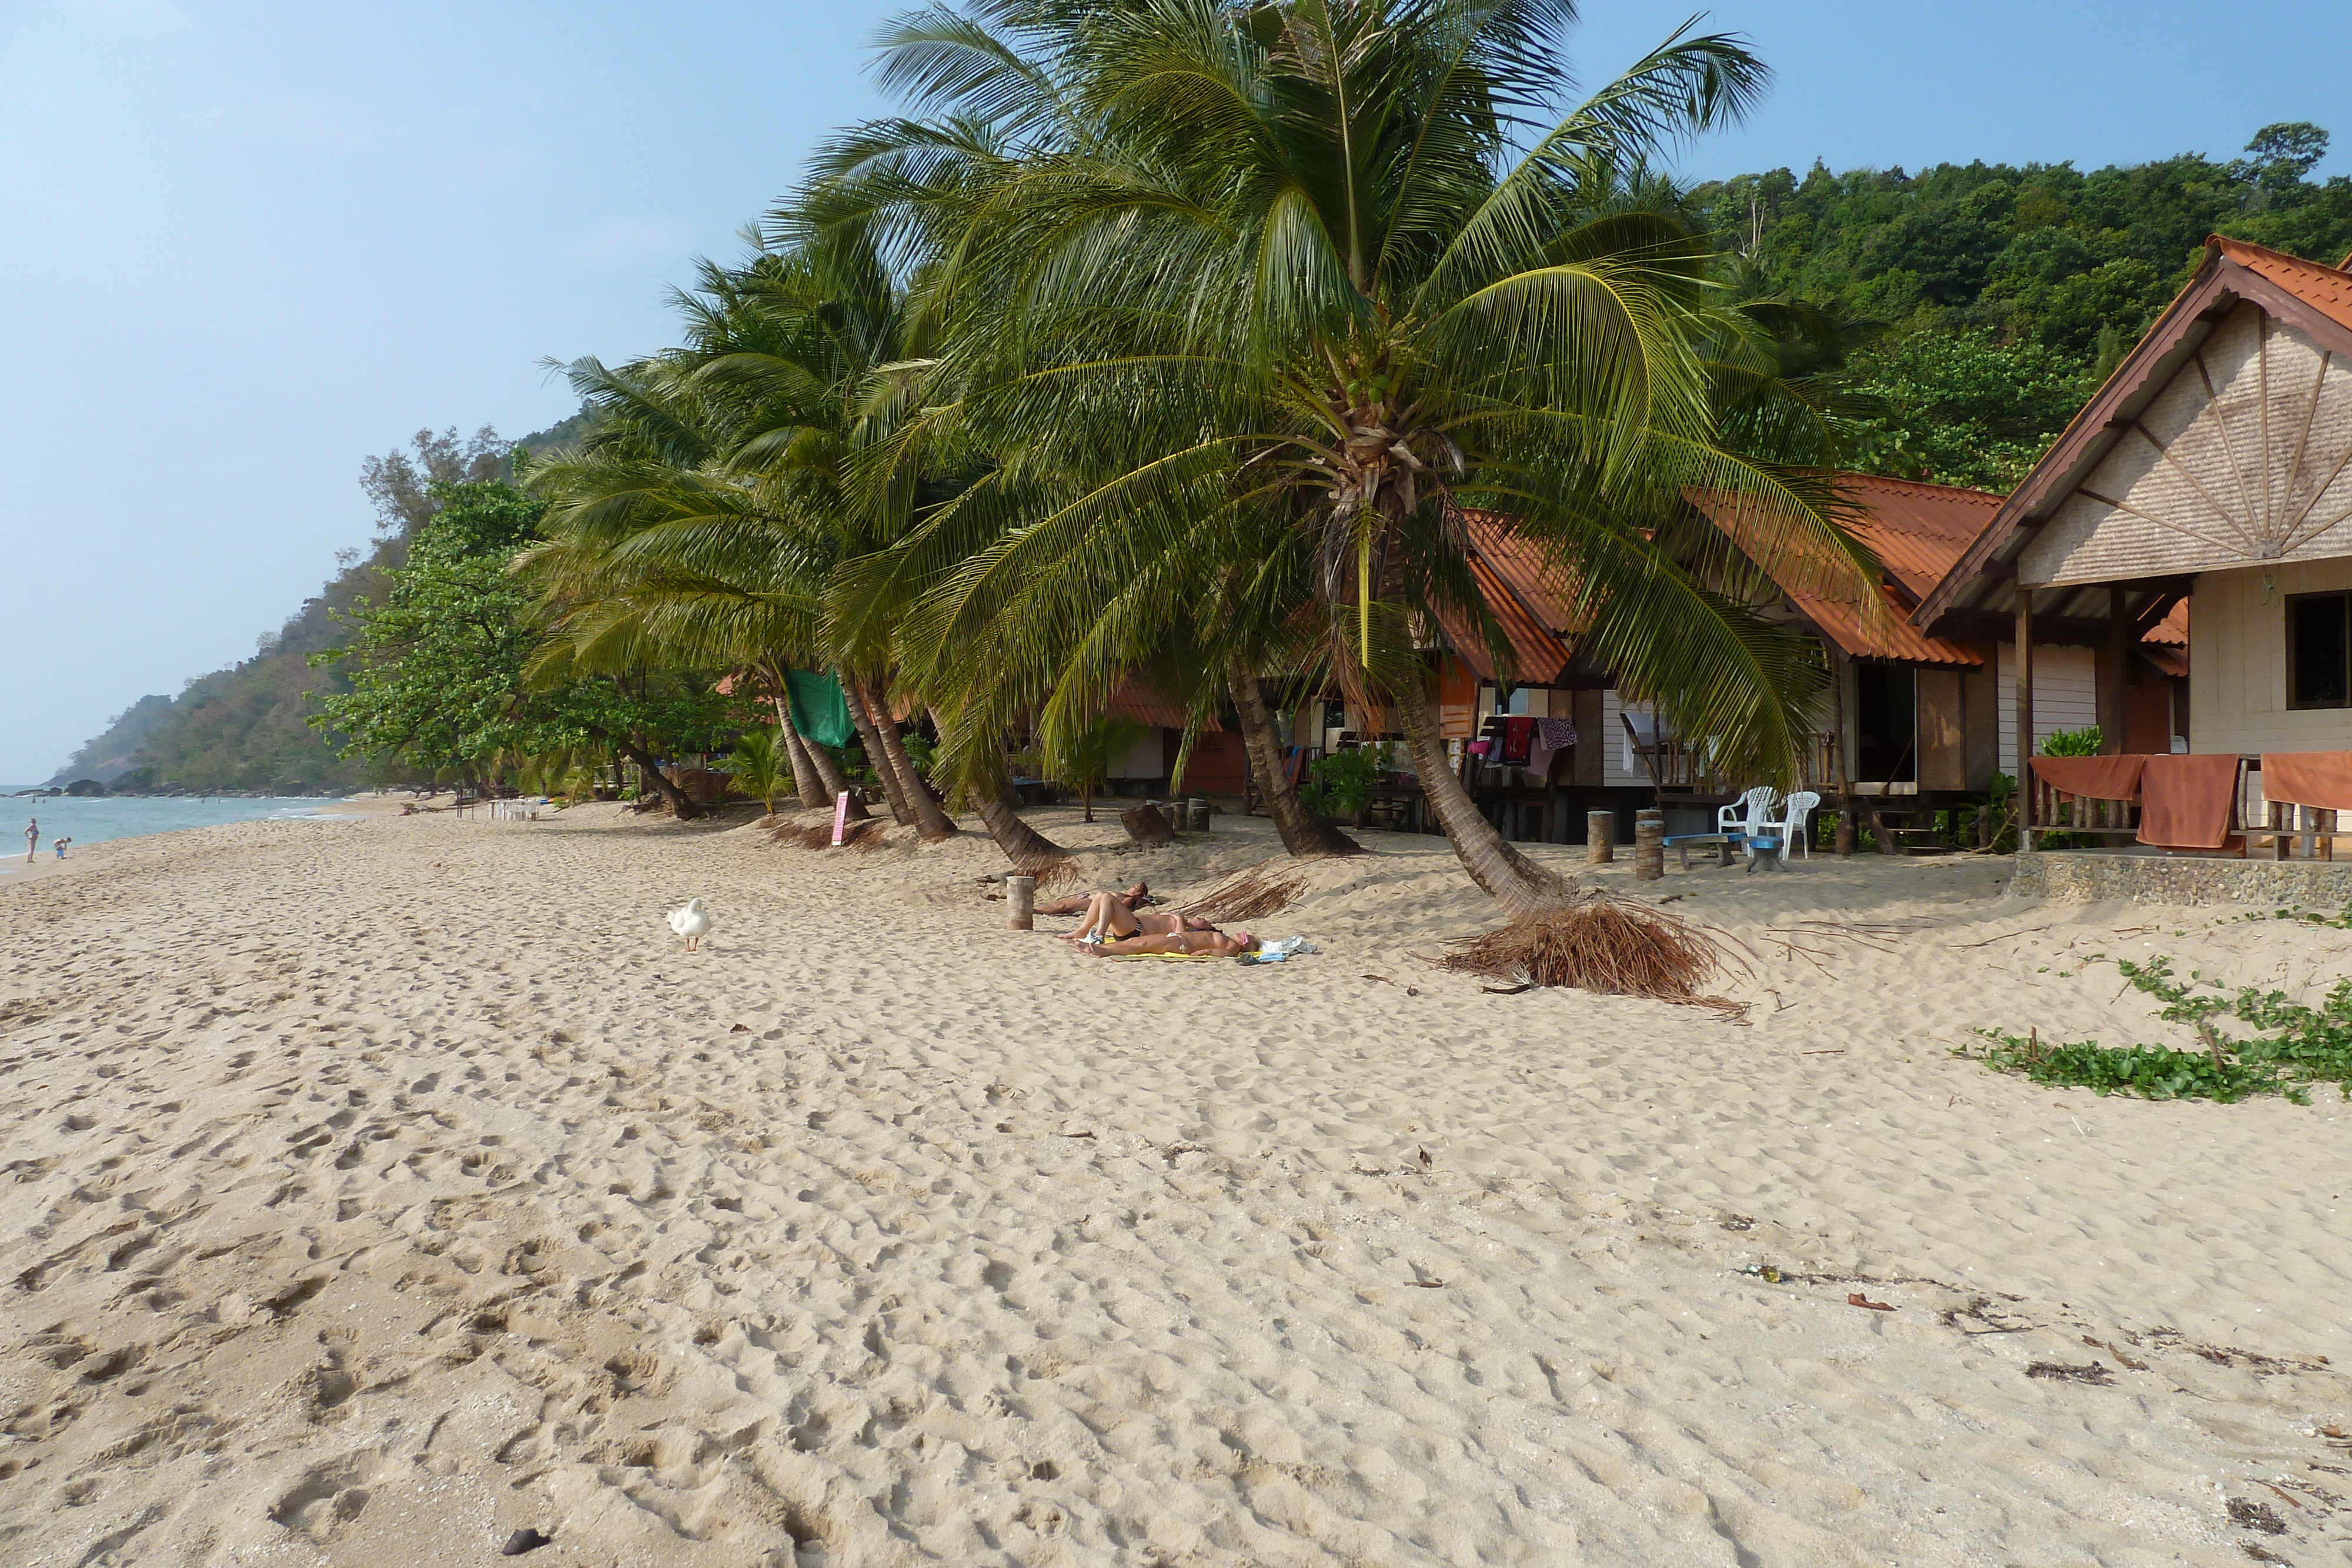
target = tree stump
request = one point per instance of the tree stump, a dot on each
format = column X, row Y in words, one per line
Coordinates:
column 1020, row 902
column 1196, row 813
column 1600, row 837
column 1146, row 826
column 1649, row 846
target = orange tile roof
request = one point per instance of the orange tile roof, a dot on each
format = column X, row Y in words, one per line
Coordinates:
column 1141, row 703
column 1535, row 615
column 2326, row 289
column 1917, row 530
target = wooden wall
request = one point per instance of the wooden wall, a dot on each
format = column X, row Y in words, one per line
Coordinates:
column 2237, row 662
column 2065, row 695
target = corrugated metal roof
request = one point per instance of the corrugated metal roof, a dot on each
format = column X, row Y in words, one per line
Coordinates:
column 2328, row 289
column 1136, row 700
column 1918, row 531
column 1536, row 618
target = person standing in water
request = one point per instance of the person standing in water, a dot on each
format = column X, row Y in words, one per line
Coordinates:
column 32, row 838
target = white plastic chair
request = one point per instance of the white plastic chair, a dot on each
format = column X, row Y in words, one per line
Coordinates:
column 1796, row 822
column 1751, row 813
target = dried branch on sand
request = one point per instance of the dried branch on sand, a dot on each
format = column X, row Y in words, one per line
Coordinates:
column 1598, row 944
column 1250, row 894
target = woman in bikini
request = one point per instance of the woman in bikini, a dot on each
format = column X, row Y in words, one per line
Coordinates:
column 1213, row 942
column 1109, row 917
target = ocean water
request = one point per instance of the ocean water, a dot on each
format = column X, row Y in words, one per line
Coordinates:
column 96, row 819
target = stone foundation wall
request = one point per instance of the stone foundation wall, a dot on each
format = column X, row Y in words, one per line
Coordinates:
column 2147, row 879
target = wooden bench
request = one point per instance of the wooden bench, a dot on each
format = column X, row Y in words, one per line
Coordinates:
column 1723, row 844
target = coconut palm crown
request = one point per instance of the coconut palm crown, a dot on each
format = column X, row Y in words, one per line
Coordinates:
column 1220, row 285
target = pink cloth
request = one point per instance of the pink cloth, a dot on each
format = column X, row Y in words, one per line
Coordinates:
column 2186, row 802
column 2322, row 778
column 2094, row 778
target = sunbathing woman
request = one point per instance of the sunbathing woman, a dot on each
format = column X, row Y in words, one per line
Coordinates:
column 1217, row 944
column 1109, row 916
column 1134, row 897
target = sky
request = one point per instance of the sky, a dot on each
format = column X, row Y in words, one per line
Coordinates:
column 244, row 245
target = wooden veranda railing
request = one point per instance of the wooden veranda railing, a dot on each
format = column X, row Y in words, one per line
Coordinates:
column 1674, row 768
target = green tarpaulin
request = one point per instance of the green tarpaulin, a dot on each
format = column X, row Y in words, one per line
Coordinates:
column 819, row 711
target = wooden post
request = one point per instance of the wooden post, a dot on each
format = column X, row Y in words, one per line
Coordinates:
column 2023, row 681
column 1020, row 902
column 1649, row 845
column 2114, row 702
column 1600, row 837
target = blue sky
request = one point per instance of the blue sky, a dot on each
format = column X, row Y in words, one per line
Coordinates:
column 248, row 245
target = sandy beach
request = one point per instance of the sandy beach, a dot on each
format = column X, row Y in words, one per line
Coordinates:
column 379, row 1187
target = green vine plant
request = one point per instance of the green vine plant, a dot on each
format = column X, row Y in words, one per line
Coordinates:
column 2308, row 1045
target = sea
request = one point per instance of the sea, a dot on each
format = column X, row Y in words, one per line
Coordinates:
column 91, row 819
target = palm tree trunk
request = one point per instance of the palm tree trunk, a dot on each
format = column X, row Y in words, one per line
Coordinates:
column 1522, row 887
column 1303, row 834
column 1029, row 849
column 870, row 733
column 650, row 770
column 930, row 821
column 804, row 774
column 828, row 772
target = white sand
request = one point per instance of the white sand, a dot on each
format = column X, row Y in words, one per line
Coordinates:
column 378, row 1187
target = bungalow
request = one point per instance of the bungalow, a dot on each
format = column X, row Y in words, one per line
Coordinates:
column 2212, row 470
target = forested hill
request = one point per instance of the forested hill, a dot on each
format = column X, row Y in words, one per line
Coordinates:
column 1999, row 295
column 243, row 728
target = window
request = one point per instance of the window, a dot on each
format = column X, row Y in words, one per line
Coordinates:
column 2319, row 650
column 1886, row 723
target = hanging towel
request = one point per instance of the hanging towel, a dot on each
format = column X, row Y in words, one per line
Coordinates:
column 819, row 711
column 2094, row 778
column 2186, row 802
column 1518, row 735
column 2322, row 778
column 1480, row 746
column 1558, row 734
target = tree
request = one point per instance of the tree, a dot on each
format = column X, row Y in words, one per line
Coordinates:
column 438, row 664
column 1254, row 305
column 1083, row 760
column 758, row 763
column 2283, row 154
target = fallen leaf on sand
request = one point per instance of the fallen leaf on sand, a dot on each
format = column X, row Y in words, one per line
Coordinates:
column 740, row 1028
column 1858, row 1299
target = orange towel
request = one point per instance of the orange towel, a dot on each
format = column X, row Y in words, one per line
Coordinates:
column 2322, row 778
column 2186, row 802
column 2096, row 777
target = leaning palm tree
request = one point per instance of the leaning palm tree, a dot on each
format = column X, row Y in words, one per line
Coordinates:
column 705, row 510
column 1309, row 281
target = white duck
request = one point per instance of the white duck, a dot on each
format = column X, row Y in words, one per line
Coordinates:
column 690, row 922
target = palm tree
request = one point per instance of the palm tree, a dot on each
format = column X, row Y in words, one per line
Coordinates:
column 758, row 763
column 1269, row 298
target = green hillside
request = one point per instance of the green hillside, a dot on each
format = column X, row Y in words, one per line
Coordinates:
column 1984, row 302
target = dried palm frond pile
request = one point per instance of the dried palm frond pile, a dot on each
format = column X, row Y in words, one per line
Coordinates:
column 1250, row 894
column 1603, row 944
column 1056, row 873
column 866, row 833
